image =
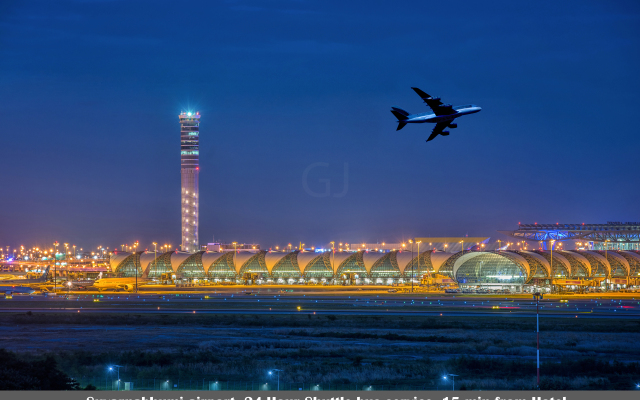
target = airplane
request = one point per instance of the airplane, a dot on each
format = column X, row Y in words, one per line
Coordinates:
column 85, row 283
column 128, row 283
column 443, row 114
column 9, row 290
column 42, row 279
column 12, row 275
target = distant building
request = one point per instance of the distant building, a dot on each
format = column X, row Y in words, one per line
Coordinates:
column 609, row 236
column 446, row 244
column 515, row 270
column 189, row 171
column 222, row 247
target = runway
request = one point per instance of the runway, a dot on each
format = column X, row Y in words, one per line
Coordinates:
column 510, row 314
column 361, row 304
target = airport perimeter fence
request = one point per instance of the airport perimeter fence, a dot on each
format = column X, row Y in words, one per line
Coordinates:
column 205, row 384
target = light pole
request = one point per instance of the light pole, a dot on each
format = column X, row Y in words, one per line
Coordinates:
column 417, row 241
column 413, row 274
column 155, row 255
column 117, row 366
column 278, row 374
column 538, row 296
column 135, row 245
column 453, row 380
column 551, row 262
column 55, row 266
column 606, row 258
column 333, row 257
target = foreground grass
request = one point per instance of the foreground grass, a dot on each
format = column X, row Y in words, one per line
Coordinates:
column 486, row 353
column 309, row 320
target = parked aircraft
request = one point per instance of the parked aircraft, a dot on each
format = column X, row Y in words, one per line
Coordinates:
column 8, row 290
column 42, row 279
column 128, row 283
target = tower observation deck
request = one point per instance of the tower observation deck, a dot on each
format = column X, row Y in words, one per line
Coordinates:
column 189, row 170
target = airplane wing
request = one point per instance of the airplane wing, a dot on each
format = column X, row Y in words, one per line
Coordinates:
column 438, row 130
column 434, row 103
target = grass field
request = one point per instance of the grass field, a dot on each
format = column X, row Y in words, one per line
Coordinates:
column 486, row 353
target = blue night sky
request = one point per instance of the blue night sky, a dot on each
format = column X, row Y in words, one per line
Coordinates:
column 91, row 92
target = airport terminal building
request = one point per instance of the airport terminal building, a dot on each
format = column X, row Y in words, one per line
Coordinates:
column 505, row 269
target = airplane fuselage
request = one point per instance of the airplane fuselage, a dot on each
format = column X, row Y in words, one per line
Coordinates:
column 433, row 118
column 16, row 289
column 118, row 283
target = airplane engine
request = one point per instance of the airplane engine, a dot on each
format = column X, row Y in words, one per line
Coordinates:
column 130, row 287
column 453, row 126
column 445, row 133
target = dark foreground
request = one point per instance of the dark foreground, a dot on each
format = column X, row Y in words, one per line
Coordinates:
column 325, row 351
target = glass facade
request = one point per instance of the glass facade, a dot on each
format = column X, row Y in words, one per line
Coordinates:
column 421, row 265
column 255, row 265
column 578, row 269
column 386, row 267
column 490, row 268
column 634, row 264
column 618, row 270
column 558, row 269
column 161, row 265
column 128, row 266
column 598, row 269
column 192, row 266
column 353, row 265
column 319, row 267
column 287, row 267
column 447, row 267
column 223, row 267
column 536, row 269
column 478, row 267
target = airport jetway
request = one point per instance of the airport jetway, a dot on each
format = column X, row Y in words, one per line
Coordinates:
column 438, row 280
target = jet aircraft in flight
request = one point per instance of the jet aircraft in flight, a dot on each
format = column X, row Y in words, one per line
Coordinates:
column 442, row 115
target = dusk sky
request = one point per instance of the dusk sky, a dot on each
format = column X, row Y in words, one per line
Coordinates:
column 90, row 93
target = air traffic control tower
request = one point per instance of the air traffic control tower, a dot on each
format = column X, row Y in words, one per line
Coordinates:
column 189, row 171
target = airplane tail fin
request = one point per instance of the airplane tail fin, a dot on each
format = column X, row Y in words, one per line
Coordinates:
column 145, row 274
column 43, row 278
column 399, row 113
column 401, row 125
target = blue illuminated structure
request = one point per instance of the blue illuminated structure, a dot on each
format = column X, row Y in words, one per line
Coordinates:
column 614, row 232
